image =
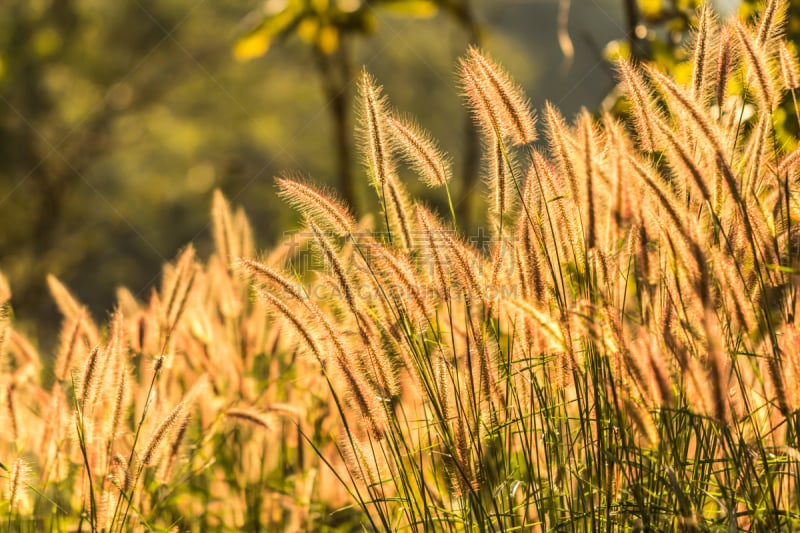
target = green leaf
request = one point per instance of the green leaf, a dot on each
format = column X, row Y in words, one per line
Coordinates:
column 781, row 268
column 256, row 42
column 251, row 46
column 411, row 8
column 650, row 8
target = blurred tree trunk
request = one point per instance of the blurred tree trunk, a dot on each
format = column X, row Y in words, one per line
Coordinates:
column 467, row 201
column 43, row 152
column 31, row 156
column 336, row 73
column 631, row 22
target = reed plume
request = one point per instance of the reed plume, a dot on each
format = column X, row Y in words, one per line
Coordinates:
column 499, row 105
column 120, row 473
column 332, row 259
column 249, row 416
column 121, row 390
column 90, row 378
column 177, row 289
column 16, row 485
column 317, row 205
column 225, row 241
column 759, row 73
column 789, row 70
column 641, row 98
column 66, row 302
column 11, row 411
column 723, row 66
column 499, row 182
column 70, row 347
column 432, row 251
column 588, row 149
column 419, row 148
column 702, row 53
column 373, row 118
column 160, row 432
column 399, row 215
column 300, row 325
column 770, row 22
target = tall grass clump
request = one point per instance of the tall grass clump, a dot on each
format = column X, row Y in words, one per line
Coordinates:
column 187, row 411
column 622, row 354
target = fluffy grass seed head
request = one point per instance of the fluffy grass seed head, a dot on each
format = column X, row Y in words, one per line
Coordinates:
column 400, row 215
column 178, row 288
column 724, row 63
column 297, row 323
column 770, row 23
column 120, row 472
column 332, row 258
column 421, row 151
column 66, row 302
column 316, row 204
column 400, row 280
column 561, row 146
column 499, row 180
column 642, row 101
column 758, row 68
column 682, row 106
column 15, row 488
column 703, row 42
column 121, row 390
column 499, row 104
column 250, row 416
column 160, row 433
column 12, row 416
column 373, row 115
column 222, row 228
column 789, row 71
column 589, row 141
column 91, row 378
column 270, row 277
column 71, row 308
column 430, row 256
column 72, row 344
column 5, row 289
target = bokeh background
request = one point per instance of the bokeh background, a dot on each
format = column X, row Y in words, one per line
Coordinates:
column 119, row 119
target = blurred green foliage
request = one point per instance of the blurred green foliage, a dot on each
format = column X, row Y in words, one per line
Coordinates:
column 111, row 143
column 657, row 32
column 660, row 31
column 786, row 125
column 330, row 27
column 118, row 119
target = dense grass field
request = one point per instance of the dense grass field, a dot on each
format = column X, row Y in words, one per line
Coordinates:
column 619, row 351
